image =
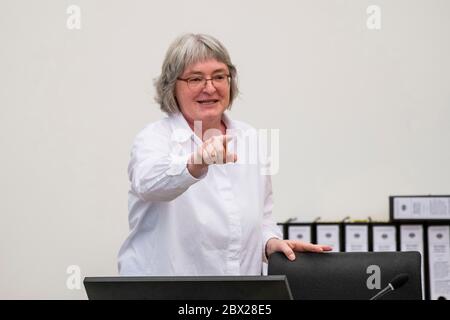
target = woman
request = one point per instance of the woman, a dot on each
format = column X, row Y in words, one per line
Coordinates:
column 194, row 207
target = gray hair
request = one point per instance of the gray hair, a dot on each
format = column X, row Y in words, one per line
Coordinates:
column 184, row 51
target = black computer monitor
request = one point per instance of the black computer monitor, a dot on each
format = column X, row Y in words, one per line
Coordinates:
column 189, row 288
column 349, row 275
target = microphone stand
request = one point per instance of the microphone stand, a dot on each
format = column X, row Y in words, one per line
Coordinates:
column 383, row 292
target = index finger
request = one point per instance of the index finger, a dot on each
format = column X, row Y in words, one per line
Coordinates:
column 307, row 247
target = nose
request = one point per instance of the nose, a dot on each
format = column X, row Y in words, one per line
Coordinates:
column 209, row 87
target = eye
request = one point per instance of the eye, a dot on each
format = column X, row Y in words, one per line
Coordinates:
column 220, row 77
column 195, row 80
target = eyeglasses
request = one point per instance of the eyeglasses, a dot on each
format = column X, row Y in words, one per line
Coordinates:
column 219, row 81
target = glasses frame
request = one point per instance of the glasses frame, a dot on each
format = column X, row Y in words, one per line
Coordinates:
column 206, row 81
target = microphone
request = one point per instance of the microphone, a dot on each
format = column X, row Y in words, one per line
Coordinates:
column 398, row 281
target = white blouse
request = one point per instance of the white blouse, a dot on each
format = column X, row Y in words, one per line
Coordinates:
column 179, row 225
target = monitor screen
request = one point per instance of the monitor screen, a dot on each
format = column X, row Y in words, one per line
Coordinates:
column 189, row 288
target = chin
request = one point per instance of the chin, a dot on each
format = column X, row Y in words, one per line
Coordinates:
column 209, row 116
column 211, row 111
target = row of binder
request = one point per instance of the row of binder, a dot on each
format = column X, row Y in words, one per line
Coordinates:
column 432, row 240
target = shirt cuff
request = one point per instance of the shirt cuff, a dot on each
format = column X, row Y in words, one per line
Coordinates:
column 178, row 167
column 265, row 258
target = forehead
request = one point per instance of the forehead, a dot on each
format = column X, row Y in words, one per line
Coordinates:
column 205, row 67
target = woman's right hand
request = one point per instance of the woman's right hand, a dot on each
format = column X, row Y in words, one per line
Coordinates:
column 212, row 151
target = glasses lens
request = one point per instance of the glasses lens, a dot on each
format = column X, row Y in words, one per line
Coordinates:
column 196, row 83
column 218, row 81
column 221, row 80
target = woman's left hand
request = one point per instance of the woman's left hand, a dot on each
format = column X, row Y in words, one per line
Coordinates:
column 289, row 246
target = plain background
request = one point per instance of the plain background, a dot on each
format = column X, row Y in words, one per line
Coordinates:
column 363, row 114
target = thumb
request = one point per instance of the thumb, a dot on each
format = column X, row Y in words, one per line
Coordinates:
column 229, row 155
column 225, row 139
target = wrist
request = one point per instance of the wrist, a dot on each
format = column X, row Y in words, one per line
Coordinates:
column 196, row 168
column 270, row 246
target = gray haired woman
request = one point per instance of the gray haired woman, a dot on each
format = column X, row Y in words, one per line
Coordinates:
column 195, row 207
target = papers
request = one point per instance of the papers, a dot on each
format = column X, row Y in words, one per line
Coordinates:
column 439, row 261
column 329, row 235
column 356, row 238
column 302, row 233
column 384, row 238
column 421, row 208
column 411, row 239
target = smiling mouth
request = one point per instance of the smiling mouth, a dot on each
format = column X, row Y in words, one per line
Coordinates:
column 207, row 102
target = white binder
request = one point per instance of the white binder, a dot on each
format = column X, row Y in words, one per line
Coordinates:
column 439, row 261
column 411, row 239
column 384, row 238
column 356, row 238
column 300, row 232
column 328, row 234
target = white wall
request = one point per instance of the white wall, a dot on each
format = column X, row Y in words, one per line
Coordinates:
column 363, row 114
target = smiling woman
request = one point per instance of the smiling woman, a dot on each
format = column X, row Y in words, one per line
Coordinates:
column 203, row 93
column 194, row 209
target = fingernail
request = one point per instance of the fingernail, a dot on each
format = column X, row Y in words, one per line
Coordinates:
column 292, row 257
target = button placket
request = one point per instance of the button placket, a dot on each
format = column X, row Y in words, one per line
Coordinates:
column 234, row 247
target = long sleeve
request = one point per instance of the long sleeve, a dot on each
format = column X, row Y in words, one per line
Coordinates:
column 269, row 226
column 157, row 168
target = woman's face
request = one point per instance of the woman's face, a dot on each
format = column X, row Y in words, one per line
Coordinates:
column 208, row 102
